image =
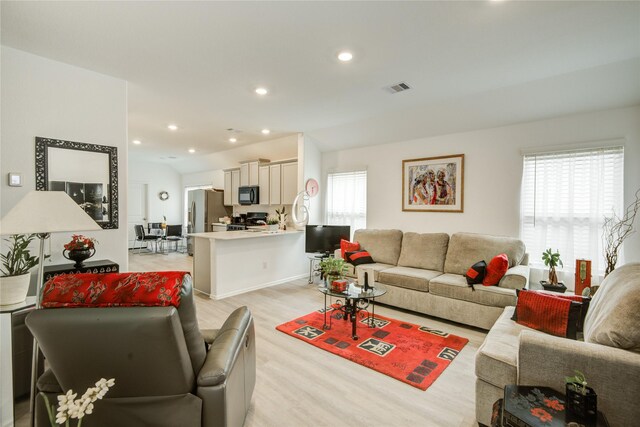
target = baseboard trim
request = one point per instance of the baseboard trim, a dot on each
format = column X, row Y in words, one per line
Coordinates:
column 257, row 287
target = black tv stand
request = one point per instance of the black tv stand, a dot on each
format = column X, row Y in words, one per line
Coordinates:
column 314, row 264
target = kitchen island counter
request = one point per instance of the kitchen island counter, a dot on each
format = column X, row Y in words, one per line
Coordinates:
column 243, row 234
column 228, row 263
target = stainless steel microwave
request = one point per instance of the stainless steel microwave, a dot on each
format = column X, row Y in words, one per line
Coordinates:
column 249, row 195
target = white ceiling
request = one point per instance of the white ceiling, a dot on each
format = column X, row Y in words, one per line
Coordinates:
column 470, row 64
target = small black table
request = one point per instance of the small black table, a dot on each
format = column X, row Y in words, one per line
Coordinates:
column 356, row 299
column 97, row 266
column 535, row 406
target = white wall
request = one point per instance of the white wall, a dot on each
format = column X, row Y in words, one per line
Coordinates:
column 159, row 177
column 46, row 98
column 492, row 171
column 310, row 157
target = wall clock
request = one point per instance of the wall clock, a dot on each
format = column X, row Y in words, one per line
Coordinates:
column 312, row 187
column 163, row 195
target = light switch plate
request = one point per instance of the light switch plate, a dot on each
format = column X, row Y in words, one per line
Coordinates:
column 15, row 179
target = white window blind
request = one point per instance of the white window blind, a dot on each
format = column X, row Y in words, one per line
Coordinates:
column 347, row 199
column 564, row 200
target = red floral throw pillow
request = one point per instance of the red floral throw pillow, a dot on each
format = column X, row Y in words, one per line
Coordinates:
column 114, row 290
column 496, row 270
column 547, row 313
column 347, row 246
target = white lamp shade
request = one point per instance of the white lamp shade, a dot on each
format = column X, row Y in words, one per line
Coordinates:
column 46, row 212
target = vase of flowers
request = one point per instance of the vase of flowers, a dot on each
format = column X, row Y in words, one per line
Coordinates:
column 70, row 408
column 79, row 249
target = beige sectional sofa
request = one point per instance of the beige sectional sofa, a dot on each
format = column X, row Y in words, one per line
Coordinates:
column 609, row 356
column 425, row 272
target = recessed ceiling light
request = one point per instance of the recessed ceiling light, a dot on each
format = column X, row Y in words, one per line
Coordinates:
column 345, row 56
column 232, row 140
column 137, row 141
column 266, row 131
column 192, row 150
column 262, row 91
column 172, row 127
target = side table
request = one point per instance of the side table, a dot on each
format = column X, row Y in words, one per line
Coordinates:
column 314, row 266
column 524, row 406
column 97, row 266
column 15, row 356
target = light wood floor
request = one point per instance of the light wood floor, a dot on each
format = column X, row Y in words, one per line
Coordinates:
column 301, row 385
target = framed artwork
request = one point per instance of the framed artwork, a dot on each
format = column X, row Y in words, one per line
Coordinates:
column 88, row 173
column 433, row 184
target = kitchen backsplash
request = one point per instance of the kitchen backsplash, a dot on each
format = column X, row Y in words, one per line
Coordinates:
column 270, row 209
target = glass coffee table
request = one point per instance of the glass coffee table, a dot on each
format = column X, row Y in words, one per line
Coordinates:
column 356, row 300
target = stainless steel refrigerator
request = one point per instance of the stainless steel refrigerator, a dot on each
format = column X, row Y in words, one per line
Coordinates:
column 205, row 207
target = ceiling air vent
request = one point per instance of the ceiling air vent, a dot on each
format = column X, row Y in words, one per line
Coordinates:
column 398, row 87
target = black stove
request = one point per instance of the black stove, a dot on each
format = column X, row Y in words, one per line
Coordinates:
column 236, row 227
column 251, row 219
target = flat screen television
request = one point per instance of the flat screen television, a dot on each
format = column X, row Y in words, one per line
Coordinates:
column 325, row 238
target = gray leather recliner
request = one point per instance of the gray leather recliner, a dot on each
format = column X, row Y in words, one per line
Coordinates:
column 165, row 374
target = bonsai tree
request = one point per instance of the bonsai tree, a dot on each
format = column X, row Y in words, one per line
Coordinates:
column 333, row 268
column 552, row 260
column 18, row 260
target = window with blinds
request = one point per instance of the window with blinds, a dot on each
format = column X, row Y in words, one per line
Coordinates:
column 564, row 200
column 346, row 202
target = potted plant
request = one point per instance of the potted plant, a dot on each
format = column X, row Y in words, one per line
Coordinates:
column 14, row 274
column 333, row 270
column 582, row 401
column 552, row 260
column 273, row 223
column 282, row 218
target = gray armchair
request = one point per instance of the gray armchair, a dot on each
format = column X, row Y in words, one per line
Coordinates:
column 165, row 372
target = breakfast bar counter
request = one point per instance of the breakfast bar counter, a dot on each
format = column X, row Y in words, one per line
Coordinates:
column 228, row 263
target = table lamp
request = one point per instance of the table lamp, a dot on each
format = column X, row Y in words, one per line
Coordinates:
column 42, row 213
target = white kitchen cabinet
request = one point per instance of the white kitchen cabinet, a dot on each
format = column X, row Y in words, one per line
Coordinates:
column 254, row 178
column 235, row 184
column 274, row 184
column 289, row 183
column 227, row 188
column 263, row 182
column 244, row 174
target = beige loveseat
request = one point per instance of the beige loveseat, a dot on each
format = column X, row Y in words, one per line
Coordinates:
column 609, row 355
column 425, row 272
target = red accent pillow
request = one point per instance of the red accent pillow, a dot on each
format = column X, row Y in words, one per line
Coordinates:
column 114, row 289
column 584, row 306
column 359, row 257
column 547, row 313
column 496, row 270
column 476, row 273
column 347, row 246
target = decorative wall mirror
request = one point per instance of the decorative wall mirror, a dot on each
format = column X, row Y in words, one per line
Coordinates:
column 88, row 173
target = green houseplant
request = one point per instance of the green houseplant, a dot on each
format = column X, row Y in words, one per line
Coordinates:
column 16, row 264
column 552, row 260
column 273, row 223
column 333, row 268
column 582, row 401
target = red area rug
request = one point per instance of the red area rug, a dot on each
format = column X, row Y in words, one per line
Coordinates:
column 413, row 354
